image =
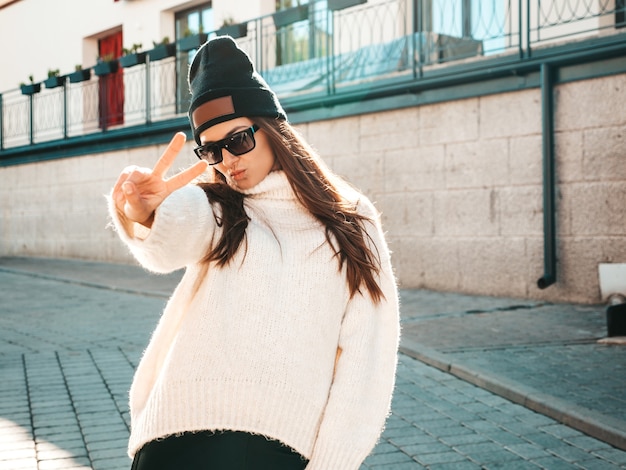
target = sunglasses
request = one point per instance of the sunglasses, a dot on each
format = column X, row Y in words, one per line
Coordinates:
column 238, row 143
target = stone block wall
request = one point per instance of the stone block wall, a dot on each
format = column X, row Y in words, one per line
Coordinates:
column 459, row 186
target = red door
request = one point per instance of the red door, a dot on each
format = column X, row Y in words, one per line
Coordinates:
column 111, row 87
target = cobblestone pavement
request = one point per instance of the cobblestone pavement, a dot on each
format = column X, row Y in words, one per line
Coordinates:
column 71, row 334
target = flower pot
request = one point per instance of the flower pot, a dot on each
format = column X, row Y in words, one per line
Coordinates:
column 105, row 68
column 162, row 51
column 53, row 82
column 334, row 5
column 290, row 15
column 192, row 42
column 234, row 30
column 31, row 88
column 81, row 75
column 130, row 60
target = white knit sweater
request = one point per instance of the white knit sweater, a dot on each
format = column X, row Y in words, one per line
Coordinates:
column 254, row 349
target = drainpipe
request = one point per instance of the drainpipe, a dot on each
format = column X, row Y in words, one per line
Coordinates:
column 1, row 124
column 549, row 190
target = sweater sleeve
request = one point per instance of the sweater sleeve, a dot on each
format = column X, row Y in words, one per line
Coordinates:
column 360, row 396
column 180, row 235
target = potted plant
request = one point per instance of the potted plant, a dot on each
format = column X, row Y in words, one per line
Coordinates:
column 106, row 65
column 162, row 49
column 232, row 29
column 290, row 15
column 54, row 79
column 334, row 5
column 80, row 74
column 191, row 40
column 132, row 56
column 30, row 88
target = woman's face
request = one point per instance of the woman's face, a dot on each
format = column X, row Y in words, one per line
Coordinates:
column 247, row 170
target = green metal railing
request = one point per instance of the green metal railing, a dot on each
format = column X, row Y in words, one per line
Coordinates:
column 326, row 50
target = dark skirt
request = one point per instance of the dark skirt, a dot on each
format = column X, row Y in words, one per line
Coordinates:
column 228, row 450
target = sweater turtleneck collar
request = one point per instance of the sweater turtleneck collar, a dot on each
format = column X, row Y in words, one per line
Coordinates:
column 274, row 186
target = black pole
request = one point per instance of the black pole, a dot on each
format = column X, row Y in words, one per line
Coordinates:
column 32, row 118
column 549, row 189
column 148, row 91
column 65, row 108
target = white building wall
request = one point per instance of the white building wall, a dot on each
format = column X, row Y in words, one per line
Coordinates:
column 39, row 35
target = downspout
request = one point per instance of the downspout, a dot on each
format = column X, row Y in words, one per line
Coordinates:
column 549, row 189
column 1, row 124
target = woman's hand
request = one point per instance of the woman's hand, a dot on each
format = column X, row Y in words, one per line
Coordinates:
column 139, row 191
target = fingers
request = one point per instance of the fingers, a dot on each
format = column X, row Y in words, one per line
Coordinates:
column 186, row 176
column 132, row 196
column 135, row 207
column 168, row 157
column 117, row 194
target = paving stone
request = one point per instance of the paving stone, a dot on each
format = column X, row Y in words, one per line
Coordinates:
column 423, row 449
column 528, row 451
column 57, row 453
column 613, row 455
column 569, row 453
column 112, row 464
column 508, row 465
column 448, row 456
column 464, row 465
column 65, row 464
column 394, row 458
column 397, row 466
column 587, row 443
column 555, row 463
column 460, row 439
column 599, row 464
column 103, row 454
column 21, row 464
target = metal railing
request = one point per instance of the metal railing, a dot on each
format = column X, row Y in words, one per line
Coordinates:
column 326, row 48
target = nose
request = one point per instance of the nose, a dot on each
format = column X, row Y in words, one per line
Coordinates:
column 228, row 158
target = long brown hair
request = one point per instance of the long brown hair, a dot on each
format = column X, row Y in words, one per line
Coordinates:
column 318, row 189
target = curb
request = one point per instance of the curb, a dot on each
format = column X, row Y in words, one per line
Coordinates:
column 597, row 425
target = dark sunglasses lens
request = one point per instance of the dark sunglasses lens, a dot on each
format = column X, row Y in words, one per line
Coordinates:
column 211, row 153
column 240, row 143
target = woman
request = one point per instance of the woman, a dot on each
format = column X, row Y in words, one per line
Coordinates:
column 278, row 348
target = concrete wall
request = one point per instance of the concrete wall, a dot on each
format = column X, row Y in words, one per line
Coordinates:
column 458, row 183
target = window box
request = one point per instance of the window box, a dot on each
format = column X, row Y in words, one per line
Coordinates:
column 105, row 68
column 290, row 15
column 30, row 89
column 234, row 30
column 53, row 82
column 334, row 5
column 162, row 51
column 81, row 75
column 192, row 42
column 130, row 60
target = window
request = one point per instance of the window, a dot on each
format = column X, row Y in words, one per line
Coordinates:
column 189, row 22
column 300, row 40
column 111, row 87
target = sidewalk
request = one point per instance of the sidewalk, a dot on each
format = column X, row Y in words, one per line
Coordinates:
column 71, row 333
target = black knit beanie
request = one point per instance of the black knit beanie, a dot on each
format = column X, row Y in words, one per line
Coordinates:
column 224, row 86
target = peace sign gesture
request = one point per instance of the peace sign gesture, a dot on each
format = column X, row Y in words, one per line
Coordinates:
column 139, row 191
